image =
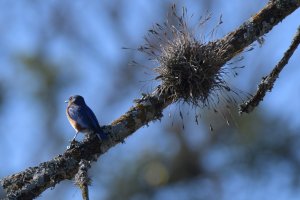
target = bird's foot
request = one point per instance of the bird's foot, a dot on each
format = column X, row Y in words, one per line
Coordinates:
column 73, row 143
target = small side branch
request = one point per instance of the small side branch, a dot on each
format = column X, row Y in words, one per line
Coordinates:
column 267, row 82
column 82, row 179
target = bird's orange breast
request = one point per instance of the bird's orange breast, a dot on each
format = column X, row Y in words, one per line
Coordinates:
column 73, row 123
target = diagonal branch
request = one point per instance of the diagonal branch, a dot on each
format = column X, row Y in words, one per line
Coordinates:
column 267, row 82
column 31, row 182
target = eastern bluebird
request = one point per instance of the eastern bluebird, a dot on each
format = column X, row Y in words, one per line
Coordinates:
column 82, row 118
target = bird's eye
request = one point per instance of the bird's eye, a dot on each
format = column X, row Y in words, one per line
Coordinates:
column 70, row 98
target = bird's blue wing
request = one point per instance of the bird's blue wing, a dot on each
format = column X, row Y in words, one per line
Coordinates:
column 95, row 123
column 86, row 119
column 79, row 115
column 92, row 118
column 73, row 112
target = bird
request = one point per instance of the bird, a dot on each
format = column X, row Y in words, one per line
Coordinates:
column 82, row 118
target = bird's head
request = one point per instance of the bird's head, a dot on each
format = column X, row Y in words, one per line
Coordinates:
column 75, row 99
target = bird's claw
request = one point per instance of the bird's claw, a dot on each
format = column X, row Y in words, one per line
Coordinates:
column 73, row 142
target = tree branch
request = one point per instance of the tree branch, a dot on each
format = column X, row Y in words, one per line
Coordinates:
column 33, row 181
column 267, row 82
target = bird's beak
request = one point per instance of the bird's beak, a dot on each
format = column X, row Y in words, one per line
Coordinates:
column 66, row 101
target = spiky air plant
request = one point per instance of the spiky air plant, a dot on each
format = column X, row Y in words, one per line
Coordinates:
column 190, row 70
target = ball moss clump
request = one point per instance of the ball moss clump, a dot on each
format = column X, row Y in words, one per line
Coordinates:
column 190, row 70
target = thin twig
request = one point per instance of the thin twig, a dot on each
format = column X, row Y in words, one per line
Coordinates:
column 267, row 82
